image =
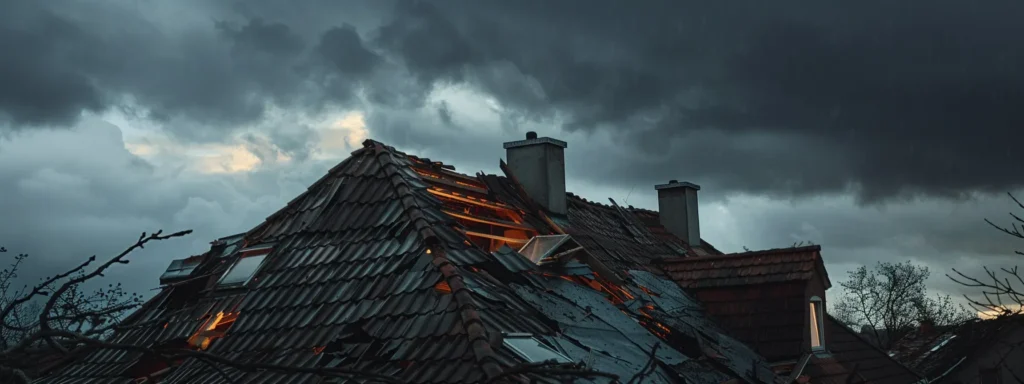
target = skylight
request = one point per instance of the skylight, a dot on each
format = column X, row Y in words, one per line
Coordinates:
column 540, row 247
column 245, row 267
column 531, row 349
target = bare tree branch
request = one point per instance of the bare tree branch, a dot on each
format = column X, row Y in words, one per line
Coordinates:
column 891, row 299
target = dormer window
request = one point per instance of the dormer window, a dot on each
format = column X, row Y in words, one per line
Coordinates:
column 531, row 349
column 249, row 261
column 817, row 324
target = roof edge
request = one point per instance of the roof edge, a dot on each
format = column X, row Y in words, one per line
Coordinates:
column 471, row 321
column 766, row 252
column 843, row 327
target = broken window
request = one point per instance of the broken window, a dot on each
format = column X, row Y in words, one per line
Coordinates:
column 532, row 349
column 245, row 267
column 817, row 324
column 214, row 328
column 542, row 247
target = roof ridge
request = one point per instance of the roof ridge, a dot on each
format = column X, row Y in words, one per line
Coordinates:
column 764, row 252
column 471, row 321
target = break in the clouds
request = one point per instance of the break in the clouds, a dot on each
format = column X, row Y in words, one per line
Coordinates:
column 791, row 115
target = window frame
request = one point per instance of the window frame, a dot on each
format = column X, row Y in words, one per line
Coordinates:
column 261, row 251
column 816, row 320
column 560, row 357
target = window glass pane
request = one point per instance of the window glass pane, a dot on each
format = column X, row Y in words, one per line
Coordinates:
column 243, row 269
column 815, row 332
column 532, row 350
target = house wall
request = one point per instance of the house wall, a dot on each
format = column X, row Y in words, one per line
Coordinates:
column 770, row 318
column 969, row 372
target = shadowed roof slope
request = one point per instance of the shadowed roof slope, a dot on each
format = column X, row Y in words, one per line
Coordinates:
column 852, row 355
column 936, row 352
column 351, row 282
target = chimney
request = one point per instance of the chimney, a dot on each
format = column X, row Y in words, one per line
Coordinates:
column 539, row 164
column 677, row 208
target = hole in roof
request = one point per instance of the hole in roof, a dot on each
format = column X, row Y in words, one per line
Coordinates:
column 442, row 287
column 214, row 328
column 533, row 350
column 544, row 246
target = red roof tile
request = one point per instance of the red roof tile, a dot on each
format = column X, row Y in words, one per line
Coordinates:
column 748, row 268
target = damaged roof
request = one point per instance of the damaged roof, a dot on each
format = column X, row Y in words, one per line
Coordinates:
column 397, row 266
column 942, row 349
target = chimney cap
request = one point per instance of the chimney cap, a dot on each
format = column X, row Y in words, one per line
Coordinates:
column 532, row 139
column 677, row 184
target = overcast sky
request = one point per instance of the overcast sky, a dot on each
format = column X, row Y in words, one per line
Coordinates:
column 881, row 130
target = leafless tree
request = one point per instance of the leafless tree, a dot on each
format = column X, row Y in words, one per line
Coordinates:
column 1001, row 295
column 891, row 299
column 59, row 317
column 1002, row 289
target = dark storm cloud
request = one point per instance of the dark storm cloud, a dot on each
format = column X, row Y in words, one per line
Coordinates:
column 901, row 97
column 199, row 77
column 273, row 38
column 343, row 48
column 884, row 98
column 35, row 86
column 444, row 112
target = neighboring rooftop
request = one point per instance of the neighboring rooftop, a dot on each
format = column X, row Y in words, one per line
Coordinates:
column 936, row 351
column 749, row 268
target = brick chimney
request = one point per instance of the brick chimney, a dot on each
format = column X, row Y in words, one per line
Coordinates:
column 677, row 208
column 539, row 164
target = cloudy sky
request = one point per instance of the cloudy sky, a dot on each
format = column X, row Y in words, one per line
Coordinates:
column 881, row 130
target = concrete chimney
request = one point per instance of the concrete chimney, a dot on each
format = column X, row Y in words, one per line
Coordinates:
column 539, row 164
column 677, row 209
